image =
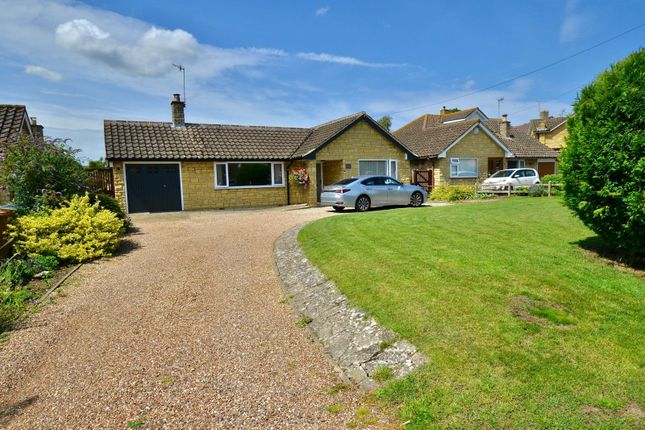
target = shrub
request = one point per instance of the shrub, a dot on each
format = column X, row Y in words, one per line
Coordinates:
column 109, row 203
column 77, row 232
column 451, row 193
column 15, row 272
column 554, row 179
column 537, row 191
column 603, row 164
column 39, row 174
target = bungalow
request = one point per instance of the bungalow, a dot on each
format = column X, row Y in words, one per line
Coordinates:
column 466, row 146
column 166, row 166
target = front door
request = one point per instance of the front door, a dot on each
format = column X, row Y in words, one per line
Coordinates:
column 495, row 164
column 319, row 180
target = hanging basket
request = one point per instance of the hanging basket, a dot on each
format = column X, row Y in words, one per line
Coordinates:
column 301, row 177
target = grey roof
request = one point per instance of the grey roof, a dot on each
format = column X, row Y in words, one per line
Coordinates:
column 12, row 118
column 427, row 136
column 141, row 140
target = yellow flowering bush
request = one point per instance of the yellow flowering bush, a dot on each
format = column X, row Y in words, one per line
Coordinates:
column 77, row 232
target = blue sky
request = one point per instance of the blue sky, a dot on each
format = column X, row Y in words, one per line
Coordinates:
column 299, row 63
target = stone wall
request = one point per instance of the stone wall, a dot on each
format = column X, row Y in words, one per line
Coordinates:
column 474, row 145
column 363, row 141
column 555, row 139
column 198, row 183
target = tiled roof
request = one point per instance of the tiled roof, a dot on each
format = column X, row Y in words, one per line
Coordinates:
column 520, row 143
column 455, row 116
column 323, row 132
column 11, row 120
column 427, row 137
column 140, row 140
column 550, row 124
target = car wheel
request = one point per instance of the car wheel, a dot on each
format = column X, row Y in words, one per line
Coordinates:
column 338, row 208
column 416, row 199
column 363, row 204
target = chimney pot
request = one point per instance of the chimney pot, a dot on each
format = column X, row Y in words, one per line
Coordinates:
column 443, row 111
column 544, row 114
column 177, row 110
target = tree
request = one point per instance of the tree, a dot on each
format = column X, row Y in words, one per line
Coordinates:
column 39, row 173
column 101, row 163
column 386, row 122
column 603, row 165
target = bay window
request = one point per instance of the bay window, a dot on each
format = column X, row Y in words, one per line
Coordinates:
column 249, row 174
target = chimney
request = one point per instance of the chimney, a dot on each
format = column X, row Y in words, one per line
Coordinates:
column 443, row 111
column 505, row 127
column 37, row 130
column 544, row 114
column 177, row 109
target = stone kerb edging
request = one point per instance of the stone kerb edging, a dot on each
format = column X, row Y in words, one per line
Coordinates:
column 356, row 343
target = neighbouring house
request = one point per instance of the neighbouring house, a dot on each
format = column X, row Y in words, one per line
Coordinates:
column 549, row 130
column 466, row 146
column 166, row 166
column 15, row 122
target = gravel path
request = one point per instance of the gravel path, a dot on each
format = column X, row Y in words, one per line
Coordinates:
column 186, row 330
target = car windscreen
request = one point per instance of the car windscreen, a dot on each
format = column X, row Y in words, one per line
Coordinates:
column 502, row 174
column 345, row 181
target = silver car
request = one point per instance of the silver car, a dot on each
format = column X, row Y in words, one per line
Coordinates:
column 502, row 179
column 365, row 192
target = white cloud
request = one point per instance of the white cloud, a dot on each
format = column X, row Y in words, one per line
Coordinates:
column 322, row 11
column 50, row 75
column 350, row 61
column 469, row 84
column 573, row 24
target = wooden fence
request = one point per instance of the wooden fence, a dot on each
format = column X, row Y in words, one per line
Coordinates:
column 101, row 180
column 516, row 189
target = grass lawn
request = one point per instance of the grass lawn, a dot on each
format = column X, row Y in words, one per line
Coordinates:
column 523, row 328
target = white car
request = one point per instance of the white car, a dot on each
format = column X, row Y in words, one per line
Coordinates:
column 502, row 179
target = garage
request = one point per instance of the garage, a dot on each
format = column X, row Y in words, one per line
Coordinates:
column 153, row 187
column 546, row 168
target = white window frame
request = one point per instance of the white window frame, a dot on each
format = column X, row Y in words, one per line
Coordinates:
column 459, row 159
column 235, row 187
column 388, row 165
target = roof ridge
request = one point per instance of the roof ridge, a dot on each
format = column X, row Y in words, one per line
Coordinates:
column 339, row 119
column 275, row 127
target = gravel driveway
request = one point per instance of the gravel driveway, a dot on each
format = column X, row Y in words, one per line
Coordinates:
column 186, row 330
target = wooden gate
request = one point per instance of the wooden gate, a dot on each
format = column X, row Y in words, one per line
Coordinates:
column 101, row 180
column 423, row 178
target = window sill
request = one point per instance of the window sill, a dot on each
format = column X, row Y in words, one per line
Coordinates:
column 246, row 187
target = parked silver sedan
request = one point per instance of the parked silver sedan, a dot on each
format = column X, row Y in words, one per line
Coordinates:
column 365, row 192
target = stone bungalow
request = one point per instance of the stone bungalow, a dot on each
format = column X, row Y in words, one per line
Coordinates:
column 166, row 166
column 466, row 146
